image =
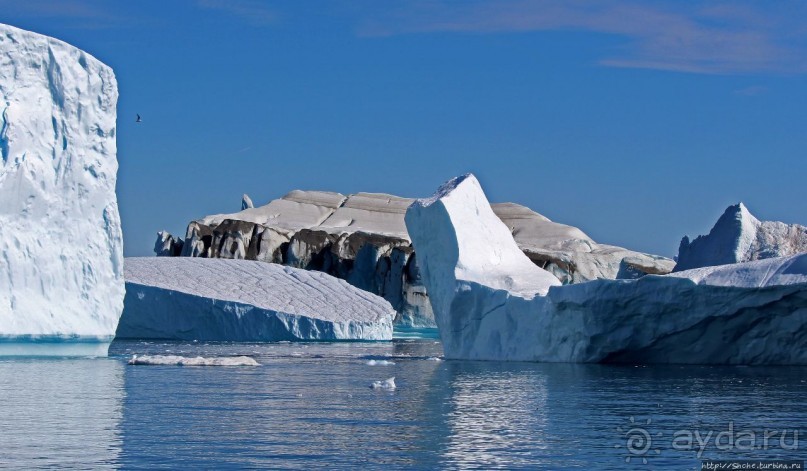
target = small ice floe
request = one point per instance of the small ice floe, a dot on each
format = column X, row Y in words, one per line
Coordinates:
column 388, row 384
column 380, row 362
column 191, row 361
column 434, row 359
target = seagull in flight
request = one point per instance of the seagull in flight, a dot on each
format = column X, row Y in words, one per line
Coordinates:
column 138, row 120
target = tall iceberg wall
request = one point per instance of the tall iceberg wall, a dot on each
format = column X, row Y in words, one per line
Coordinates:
column 61, row 247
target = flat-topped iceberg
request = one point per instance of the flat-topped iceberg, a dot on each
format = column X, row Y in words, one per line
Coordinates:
column 360, row 238
column 490, row 304
column 61, row 256
column 187, row 298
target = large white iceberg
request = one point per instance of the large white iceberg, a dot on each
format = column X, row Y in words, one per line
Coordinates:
column 189, row 298
column 61, row 256
column 490, row 303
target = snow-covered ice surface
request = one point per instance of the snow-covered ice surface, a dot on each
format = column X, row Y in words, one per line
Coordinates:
column 334, row 213
column 295, row 210
column 489, row 305
column 178, row 360
column 780, row 271
column 740, row 237
column 61, row 257
column 569, row 253
column 242, row 300
column 374, row 213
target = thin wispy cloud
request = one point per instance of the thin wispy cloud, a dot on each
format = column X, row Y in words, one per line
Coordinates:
column 53, row 8
column 251, row 11
column 708, row 38
column 77, row 14
column 754, row 90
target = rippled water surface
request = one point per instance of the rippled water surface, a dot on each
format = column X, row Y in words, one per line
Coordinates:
column 310, row 406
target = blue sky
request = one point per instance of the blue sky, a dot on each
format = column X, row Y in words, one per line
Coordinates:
column 638, row 122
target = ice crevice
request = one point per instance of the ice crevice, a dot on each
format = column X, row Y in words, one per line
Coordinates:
column 4, row 134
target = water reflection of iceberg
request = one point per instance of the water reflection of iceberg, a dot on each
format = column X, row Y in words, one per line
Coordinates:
column 63, row 413
column 497, row 417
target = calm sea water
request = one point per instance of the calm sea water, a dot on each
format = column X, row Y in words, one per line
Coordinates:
column 309, row 406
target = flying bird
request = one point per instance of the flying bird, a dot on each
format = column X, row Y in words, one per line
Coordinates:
column 138, row 120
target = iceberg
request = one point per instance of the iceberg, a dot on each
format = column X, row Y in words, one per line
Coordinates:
column 490, row 303
column 241, row 300
column 362, row 238
column 61, row 255
column 740, row 237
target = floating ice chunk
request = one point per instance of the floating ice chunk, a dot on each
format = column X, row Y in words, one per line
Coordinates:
column 388, row 384
column 192, row 361
column 434, row 359
column 380, row 362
